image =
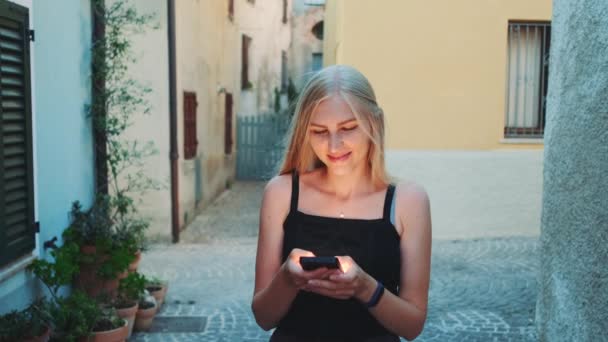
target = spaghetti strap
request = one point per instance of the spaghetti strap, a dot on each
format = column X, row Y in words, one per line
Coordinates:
column 388, row 200
column 295, row 190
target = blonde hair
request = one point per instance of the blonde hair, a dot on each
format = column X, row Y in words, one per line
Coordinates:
column 348, row 83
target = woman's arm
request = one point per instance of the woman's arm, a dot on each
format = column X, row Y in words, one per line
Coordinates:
column 405, row 314
column 276, row 283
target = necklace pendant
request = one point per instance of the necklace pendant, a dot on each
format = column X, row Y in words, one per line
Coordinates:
column 341, row 215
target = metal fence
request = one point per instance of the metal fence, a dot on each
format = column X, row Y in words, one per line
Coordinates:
column 260, row 145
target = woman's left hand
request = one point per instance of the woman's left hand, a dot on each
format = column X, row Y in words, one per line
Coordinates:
column 350, row 281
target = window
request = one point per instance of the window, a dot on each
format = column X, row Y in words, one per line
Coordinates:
column 246, row 44
column 17, row 228
column 528, row 68
column 317, row 61
column 190, row 140
column 231, row 10
column 284, row 78
column 284, row 11
column 228, row 124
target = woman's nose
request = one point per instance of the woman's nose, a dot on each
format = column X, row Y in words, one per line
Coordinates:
column 335, row 142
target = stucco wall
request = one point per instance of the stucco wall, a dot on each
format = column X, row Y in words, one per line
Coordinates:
column 62, row 136
column 439, row 68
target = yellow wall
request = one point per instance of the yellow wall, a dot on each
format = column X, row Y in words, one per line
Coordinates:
column 438, row 67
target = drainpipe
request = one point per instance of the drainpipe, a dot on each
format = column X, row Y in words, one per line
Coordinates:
column 173, row 153
column 97, row 91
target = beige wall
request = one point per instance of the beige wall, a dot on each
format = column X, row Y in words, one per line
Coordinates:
column 303, row 42
column 438, row 67
column 206, row 43
column 150, row 49
column 207, row 52
column 262, row 21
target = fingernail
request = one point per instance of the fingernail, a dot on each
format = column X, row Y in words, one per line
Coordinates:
column 312, row 282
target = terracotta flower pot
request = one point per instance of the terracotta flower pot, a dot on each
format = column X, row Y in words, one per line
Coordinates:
column 90, row 282
column 116, row 335
column 159, row 292
column 135, row 263
column 129, row 314
column 144, row 318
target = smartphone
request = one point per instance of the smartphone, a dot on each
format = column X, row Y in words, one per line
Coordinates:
column 312, row 263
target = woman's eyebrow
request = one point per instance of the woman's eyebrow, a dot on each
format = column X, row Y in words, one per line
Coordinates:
column 339, row 123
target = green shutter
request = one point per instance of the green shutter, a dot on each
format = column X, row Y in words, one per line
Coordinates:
column 17, row 232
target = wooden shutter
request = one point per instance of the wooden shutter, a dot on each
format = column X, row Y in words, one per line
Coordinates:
column 245, row 62
column 284, row 11
column 17, row 232
column 231, row 9
column 190, row 140
column 228, row 140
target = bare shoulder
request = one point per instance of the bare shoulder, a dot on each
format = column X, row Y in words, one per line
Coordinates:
column 279, row 186
column 412, row 208
column 411, row 193
column 277, row 194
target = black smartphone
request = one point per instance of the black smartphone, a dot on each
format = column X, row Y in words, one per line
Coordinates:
column 312, row 263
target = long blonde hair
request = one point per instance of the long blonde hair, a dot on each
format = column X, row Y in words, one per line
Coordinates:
column 348, row 83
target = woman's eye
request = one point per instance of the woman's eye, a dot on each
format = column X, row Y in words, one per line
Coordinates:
column 349, row 128
column 319, row 132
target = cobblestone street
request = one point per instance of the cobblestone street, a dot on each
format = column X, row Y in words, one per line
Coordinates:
column 481, row 289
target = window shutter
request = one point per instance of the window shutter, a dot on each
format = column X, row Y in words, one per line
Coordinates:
column 245, row 62
column 190, row 141
column 231, row 9
column 284, row 11
column 17, row 231
column 228, row 125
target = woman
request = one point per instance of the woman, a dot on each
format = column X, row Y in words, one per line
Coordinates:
column 333, row 197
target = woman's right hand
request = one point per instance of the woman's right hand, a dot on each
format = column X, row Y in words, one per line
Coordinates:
column 297, row 276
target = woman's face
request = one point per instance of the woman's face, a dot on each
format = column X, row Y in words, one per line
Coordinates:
column 336, row 136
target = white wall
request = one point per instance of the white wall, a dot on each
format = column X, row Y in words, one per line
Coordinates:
column 476, row 193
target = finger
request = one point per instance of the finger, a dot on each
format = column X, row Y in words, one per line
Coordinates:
column 314, row 274
column 342, row 277
column 332, row 294
column 326, row 284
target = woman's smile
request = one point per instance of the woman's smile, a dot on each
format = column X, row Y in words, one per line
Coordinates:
column 339, row 158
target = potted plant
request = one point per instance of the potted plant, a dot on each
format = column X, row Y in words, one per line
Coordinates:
column 130, row 290
column 109, row 327
column 80, row 318
column 105, row 256
column 158, row 289
column 146, row 312
column 30, row 325
column 76, row 316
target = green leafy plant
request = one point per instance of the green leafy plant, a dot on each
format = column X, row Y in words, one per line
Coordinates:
column 130, row 289
column 119, row 99
column 59, row 272
column 32, row 322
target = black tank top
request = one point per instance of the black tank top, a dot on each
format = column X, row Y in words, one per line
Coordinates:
column 372, row 243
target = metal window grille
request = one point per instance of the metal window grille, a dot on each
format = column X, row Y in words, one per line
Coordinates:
column 528, row 67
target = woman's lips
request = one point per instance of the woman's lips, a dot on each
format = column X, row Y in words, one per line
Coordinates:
column 339, row 158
